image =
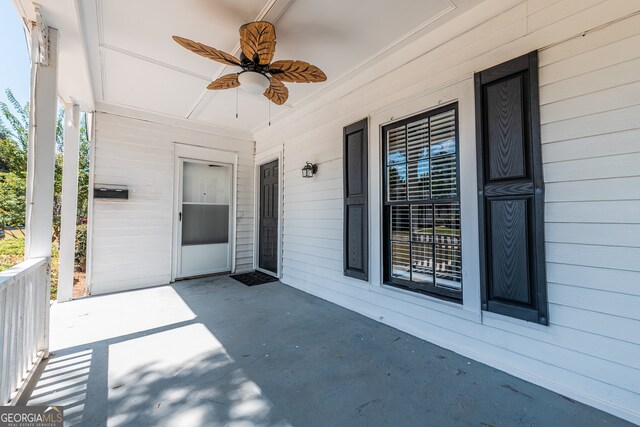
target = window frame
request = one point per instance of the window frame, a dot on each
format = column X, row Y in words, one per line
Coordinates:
column 387, row 279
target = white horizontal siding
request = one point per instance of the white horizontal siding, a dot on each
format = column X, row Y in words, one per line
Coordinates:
column 615, row 235
column 590, row 110
column 132, row 239
column 611, row 189
column 600, row 212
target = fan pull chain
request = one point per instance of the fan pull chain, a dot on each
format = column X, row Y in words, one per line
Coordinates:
column 236, row 102
column 269, row 102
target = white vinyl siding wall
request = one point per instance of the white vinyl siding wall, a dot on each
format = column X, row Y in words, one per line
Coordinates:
column 132, row 239
column 590, row 113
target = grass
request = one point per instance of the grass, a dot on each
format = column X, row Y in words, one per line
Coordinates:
column 12, row 253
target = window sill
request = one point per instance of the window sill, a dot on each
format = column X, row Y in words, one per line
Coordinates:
column 428, row 302
column 427, row 289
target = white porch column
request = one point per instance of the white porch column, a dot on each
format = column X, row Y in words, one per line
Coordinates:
column 42, row 141
column 69, row 202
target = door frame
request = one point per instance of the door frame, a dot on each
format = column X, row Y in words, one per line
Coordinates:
column 268, row 156
column 182, row 152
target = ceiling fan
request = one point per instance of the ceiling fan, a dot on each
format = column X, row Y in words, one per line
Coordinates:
column 259, row 74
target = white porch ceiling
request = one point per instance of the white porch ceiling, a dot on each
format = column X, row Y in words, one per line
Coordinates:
column 134, row 64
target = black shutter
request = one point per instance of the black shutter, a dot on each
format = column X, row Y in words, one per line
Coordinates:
column 356, row 201
column 510, row 190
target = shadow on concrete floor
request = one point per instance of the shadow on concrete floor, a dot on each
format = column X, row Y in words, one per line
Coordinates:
column 220, row 353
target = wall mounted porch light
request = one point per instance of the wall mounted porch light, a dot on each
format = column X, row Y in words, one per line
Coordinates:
column 309, row 170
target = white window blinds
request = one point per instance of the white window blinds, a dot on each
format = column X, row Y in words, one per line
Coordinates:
column 422, row 205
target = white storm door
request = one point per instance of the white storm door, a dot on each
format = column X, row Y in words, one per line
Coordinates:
column 205, row 219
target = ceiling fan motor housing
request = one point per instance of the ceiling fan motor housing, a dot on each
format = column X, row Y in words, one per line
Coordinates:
column 248, row 65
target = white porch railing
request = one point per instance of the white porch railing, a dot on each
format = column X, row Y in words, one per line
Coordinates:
column 24, row 324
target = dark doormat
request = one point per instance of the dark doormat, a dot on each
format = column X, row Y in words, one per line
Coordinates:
column 254, row 278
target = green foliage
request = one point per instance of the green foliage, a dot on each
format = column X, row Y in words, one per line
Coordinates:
column 83, row 170
column 81, row 247
column 14, row 141
column 12, row 200
column 55, row 258
column 18, row 130
column 12, row 157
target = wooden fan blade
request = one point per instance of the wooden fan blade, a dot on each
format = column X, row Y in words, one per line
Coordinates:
column 258, row 41
column 207, row 51
column 296, row 72
column 224, row 82
column 277, row 92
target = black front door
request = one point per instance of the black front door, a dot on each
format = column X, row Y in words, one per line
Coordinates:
column 268, row 244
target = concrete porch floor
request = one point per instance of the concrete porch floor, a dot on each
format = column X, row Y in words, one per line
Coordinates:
column 215, row 352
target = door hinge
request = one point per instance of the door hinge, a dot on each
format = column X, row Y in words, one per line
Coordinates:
column 179, row 216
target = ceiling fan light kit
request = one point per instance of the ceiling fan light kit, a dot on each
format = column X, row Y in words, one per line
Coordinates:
column 253, row 82
column 259, row 75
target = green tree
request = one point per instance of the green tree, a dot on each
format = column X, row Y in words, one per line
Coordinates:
column 14, row 140
column 12, row 201
column 18, row 122
column 83, row 170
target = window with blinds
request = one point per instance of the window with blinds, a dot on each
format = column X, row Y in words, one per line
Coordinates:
column 422, row 203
